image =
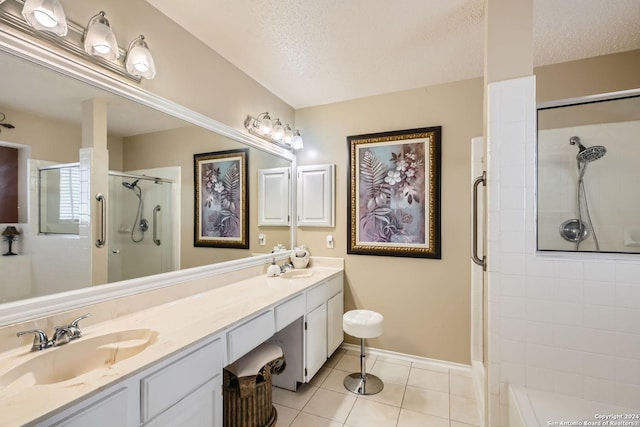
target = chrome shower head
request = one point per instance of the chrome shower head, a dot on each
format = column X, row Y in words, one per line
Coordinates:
column 130, row 185
column 590, row 154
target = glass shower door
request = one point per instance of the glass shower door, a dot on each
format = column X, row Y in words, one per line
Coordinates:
column 139, row 226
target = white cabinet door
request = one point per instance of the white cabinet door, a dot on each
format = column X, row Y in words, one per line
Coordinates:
column 315, row 201
column 273, row 197
column 316, row 340
column 335, row 309
column 114, row 407
column 201, row 408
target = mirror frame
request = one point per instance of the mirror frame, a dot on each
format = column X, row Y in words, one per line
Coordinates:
column 14, row 43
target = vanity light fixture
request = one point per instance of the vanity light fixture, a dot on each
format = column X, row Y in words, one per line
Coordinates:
column 46, row 20
column 99, row 39
column 139, row 61
column 273, row 131
column 45, row 15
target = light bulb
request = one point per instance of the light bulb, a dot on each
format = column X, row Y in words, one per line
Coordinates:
column 45, row 17
column 266, row 126
column 297, row 142
column 99, row 39
column 278, row 131
column 139, row 61
column 288, row 135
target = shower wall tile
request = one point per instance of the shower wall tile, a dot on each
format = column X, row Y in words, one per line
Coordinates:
column 513, row 242
column 599, row 293
column 627, row 295
column 600, row 390
column 580, row 331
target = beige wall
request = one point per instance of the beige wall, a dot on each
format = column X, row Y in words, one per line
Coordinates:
column 425, row 301
column 189, row 72
column 49, row 140
column 176, row 148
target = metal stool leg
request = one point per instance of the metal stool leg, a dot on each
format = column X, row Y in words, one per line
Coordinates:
column 361, row 382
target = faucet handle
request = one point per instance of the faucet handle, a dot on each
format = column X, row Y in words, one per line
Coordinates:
column 40, row 340
column 74, row 328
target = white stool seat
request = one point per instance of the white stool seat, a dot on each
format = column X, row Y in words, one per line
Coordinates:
column 362, row 323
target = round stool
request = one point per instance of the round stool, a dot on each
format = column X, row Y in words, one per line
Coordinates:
column 363, row 324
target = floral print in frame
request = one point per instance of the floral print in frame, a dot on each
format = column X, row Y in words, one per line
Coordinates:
column 394, row 193
column 221, row 199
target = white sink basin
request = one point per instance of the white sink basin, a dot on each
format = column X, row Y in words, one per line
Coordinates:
column 79, row 357
column 297, row 274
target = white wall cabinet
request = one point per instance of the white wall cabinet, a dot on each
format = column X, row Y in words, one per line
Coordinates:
column 316, row 196
column 274, row 197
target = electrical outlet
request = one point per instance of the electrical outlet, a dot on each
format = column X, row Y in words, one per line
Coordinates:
column 330, row 242
column 262, row 239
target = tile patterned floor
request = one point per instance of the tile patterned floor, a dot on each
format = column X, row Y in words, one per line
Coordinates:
column 414, row 395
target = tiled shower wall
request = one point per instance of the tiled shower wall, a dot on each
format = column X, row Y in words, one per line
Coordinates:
column 568, row 324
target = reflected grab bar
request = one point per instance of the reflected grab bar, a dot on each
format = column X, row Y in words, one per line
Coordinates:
column 482, row 179
column 155, row 225
column 103, row 209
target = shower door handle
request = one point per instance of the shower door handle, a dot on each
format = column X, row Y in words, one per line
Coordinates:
column 482, row 179
column 103, row 218
column 155, row 225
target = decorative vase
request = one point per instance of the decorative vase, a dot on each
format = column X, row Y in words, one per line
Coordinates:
column 300, row 257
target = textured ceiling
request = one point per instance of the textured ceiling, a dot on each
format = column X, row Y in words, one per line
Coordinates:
column 313, row 52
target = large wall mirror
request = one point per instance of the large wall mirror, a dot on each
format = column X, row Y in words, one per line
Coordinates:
column 587, row 172
column 151, row 177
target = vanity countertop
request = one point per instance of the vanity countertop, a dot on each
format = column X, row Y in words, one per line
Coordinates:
column 179, row 324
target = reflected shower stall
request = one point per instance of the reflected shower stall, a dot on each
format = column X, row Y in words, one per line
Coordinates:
column 139, row 230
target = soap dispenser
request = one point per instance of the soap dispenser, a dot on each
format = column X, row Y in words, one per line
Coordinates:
column 274, row 269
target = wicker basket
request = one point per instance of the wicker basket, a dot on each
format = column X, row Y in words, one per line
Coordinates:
column 247, row 400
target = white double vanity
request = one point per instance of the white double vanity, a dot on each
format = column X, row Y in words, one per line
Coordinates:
column 165, row 364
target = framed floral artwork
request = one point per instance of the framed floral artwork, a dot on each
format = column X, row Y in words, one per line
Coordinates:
column 221, row 199
column 394, row 193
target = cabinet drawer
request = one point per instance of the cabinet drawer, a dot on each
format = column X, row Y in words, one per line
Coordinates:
column 316, row 296
column 334, row 285
column 169, row 385
column 248, row 336
column 289, row 311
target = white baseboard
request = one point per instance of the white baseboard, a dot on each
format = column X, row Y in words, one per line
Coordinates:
column 460, row 367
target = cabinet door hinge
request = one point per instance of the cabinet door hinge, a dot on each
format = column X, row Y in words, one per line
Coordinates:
column 305, row 372
column 305, row 326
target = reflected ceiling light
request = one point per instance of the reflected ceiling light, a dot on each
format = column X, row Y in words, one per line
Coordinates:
column 139, row 61
column 297, row 142
column 99, row 39
column 278, row 131
column 45, row 15
column 273, row 131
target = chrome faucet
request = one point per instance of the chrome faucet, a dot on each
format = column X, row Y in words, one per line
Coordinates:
column 40, row 340
column 61, row 335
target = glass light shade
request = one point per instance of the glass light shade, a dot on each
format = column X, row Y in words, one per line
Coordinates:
column 139, row 61
column 288, row 135
column 99, row 39
column 266, row 125
column 278, row 131
column 297, row 142
column 45, row 15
